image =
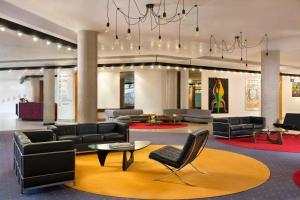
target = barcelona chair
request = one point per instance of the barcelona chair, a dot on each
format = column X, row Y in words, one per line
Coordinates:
column 175, row 159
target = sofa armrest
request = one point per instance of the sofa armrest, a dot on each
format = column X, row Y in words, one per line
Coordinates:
column 52, row 127
column 221, row 127
column 46, row 147
column 48, row 163
column 122, row 128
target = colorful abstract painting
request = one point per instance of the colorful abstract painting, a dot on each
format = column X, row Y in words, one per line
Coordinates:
column 218, row 95
column 252, row 94
column 296, row 89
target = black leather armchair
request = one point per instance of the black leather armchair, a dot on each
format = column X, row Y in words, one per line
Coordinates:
column 175, row 159
column 39, row 161
column 291, row 122
column 231, row 127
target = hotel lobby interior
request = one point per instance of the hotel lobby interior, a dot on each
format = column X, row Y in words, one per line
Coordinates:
column 150, row 99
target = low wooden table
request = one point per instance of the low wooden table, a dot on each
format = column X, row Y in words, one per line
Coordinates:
column 278, row 131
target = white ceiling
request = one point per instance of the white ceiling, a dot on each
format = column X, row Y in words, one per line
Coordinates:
column 225, row 19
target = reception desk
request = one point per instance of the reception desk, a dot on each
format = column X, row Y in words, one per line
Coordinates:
column 30, row 111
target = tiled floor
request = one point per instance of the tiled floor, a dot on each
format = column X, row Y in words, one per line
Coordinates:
column 10, row 122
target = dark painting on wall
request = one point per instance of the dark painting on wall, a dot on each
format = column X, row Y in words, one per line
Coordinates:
column 218, row 95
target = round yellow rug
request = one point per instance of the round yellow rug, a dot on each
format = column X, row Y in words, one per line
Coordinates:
column 227, row 173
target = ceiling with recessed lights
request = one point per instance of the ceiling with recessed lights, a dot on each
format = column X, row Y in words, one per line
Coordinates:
column 224, row 19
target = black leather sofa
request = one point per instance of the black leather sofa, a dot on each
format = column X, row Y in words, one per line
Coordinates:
column 231, row 127
column 291, row 122
column 40, row 161
column 90, row 133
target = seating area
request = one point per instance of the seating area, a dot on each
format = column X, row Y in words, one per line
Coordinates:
column 149, row 99
column 237, row 126
column 169, row 115
column 40, row 161
column 90, row 133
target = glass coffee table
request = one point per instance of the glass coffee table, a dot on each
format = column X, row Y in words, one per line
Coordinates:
column 278, row 131
column 104, row 149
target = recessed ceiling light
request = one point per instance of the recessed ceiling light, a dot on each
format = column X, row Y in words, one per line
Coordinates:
column 35, row 39
column 20, row 33
column 2, row 28
column 69, row 48
column 48, row 42
column 59, row 46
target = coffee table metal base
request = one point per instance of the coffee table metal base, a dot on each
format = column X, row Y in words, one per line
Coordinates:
column 102, row 154
column 278, row 140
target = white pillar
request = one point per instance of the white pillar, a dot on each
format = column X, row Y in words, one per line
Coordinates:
column 270, row 86
column 49, row 92
column 184, row 89
column 169, row 89
column 87, row 76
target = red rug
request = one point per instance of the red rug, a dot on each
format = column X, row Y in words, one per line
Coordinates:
column 161, row 126
column 291, row 143
column 296, row 178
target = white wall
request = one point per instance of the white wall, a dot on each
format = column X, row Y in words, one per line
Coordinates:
column 108, row 89
column 236, row 98
column 289, row 104
column 10, row 93
column 148, row 91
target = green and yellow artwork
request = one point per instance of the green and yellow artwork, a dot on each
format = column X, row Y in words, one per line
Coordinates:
column 218, row 95
column 296, row 89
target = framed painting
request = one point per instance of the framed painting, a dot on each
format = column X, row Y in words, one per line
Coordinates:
column 295, row 89
column 252, row 94
column 218, row 95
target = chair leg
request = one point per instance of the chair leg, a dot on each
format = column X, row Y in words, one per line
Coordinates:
column 173, row 172
column 198, row 170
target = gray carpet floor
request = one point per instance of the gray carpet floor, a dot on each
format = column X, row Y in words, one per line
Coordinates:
column 280, row 186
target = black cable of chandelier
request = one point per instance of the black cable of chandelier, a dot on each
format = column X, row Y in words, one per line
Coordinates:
column 239, row 42
column 157, row 19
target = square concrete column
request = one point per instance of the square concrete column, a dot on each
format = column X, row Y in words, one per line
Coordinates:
column 87, row 76
column 184, row 88
column 49, row 92
column 270, row 86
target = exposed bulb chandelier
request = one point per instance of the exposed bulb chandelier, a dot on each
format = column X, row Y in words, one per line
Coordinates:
column 158, row 17
column 240, row 43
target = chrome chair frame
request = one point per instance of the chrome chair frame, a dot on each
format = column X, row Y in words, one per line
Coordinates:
column 174, row 170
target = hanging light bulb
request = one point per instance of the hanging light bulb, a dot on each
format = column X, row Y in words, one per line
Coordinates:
column 117, row 40
column 128, row 34
column 107, row 27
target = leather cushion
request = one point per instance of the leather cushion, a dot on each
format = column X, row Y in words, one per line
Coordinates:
column 234, row 120
column 106, row 127
column 65, row 130
column 86, row 129
column 168, row 155
column 247, row 126
column 258, row 126
column 236, row 127
column 39, row 136
column 92, row 138
column 113, row 137
column 74, row 138
column 245, row 120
